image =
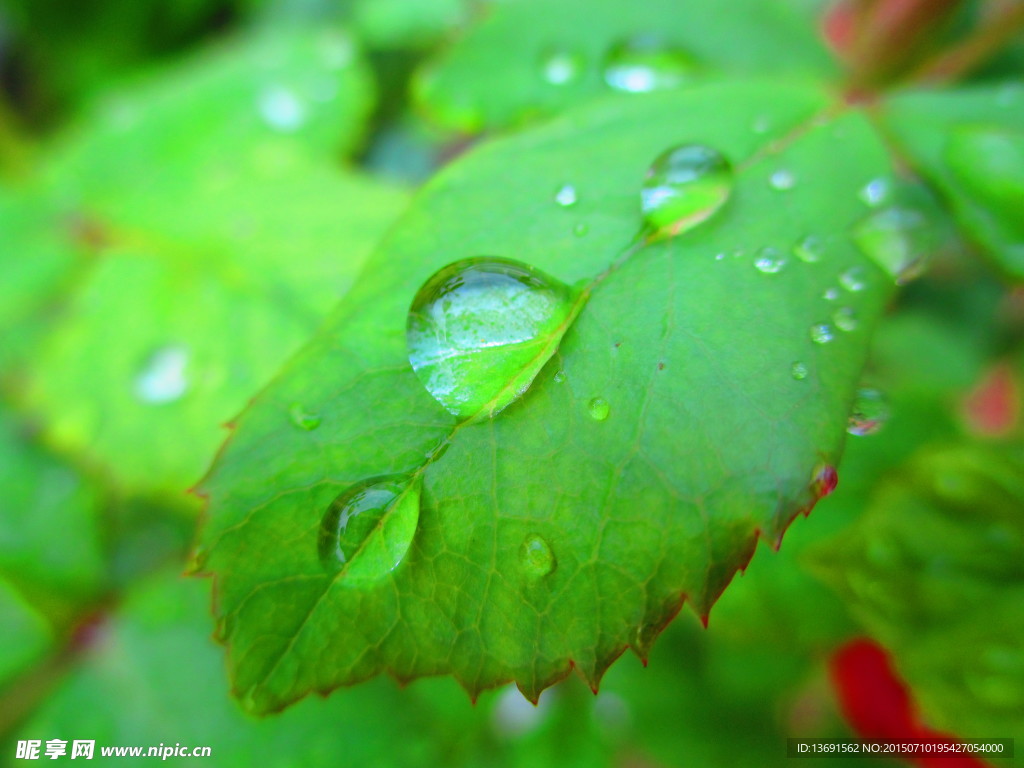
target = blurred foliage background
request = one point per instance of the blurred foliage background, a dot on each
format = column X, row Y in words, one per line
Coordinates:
column 188, row 186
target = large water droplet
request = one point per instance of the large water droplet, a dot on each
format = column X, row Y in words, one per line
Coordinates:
column 536, row 557
column 566, row 195
column 368, row 529
column 598, row 409
column 684, row 186
column 282, row 109
column 480, row 330
column 822, row 333
column 302, row 419
column 646, row 63
column 162, row 378
column 869, row 413
column 769, row 260
column 561, row 66
column 897, row 239
column 810, row 249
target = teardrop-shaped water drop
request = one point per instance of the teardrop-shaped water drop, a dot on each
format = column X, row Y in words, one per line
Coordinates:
column 822, row 333
column 302, row 418
column 810, row 249
column 769, row 261
column 799, row 371
column 566, row 195
column 684, row 186
column 869, row 413
column 598, row 409
column 561, row 66
column 647, row 63
column 897, row 239
column 367, row 530
column 536, row 557
column 162, row 378
column 480, row 330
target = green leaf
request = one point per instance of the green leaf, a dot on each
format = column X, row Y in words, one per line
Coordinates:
column 51, row 544
column 969, row 143
column 535, row 57
column 391, row 24
column 707, row 439
column 204, row 218
column 26, row 636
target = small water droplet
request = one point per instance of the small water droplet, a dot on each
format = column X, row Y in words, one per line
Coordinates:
column 853, row 280
column 162, row 378
column 480, row 330
column 769, row 260
column 536, row 557
column 845, row 319
column 580, row 229
column 799, row 371
column 782, row 180
column 684, row 186
column 830, row 294
column 869, row 413
column 646, row 63
column 368, row 529
column 876, row 192
column 821, row 333
column 720, row 256
column 566, row 195
column 281, row 109
column 559, row 377
column 899, row 240
column 302, row 419
column 809, row 249
column 561, row 66
column 824, row 480
column 598, row 409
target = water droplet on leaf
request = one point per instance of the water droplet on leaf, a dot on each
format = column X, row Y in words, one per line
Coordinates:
column 561, row 66
column 368, row 529
column 580, row 229
column 646, row 63
column 302, row 419
column 845, row 319
column 536, row 557
column 281, row 109
column 824, row 480
column 559, row 377
column 480, row 330
column 684, row 186
column 830, row 294
column 770, row 260
column 875, row 192
column 566, row 196
column 782, row 180
column 799, row 371
column 810, row 249
column 899, row 240
column 162, row 378
column 821, row 333
column 853, row 280
column 598, row 409
column 869, row 413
